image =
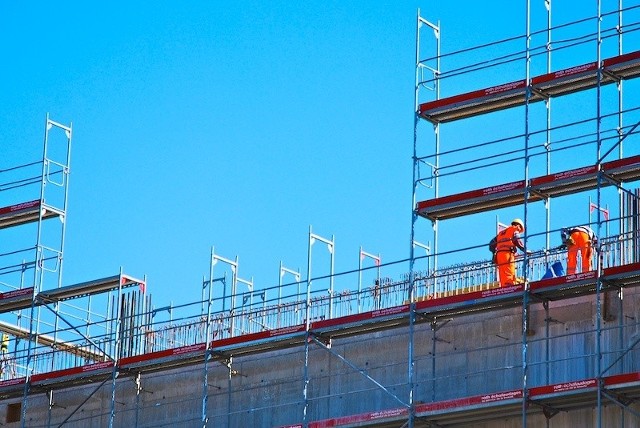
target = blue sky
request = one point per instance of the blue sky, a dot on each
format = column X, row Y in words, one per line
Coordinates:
column 228, row 124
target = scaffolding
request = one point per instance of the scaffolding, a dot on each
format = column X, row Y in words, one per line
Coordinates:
column 50, row 333
column 384, row 345
column 521, row 170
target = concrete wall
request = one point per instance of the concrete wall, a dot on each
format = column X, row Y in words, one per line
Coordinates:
column 454, row 357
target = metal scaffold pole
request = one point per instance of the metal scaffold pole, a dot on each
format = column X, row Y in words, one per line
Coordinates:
column 599, row 285
column 307, row 324
column 526, row 291
column 116, row 354
column 53, row 166
column 207, row 339
column 331, row 248
column 417, row 181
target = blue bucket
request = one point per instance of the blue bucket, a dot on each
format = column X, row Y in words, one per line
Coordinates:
column 556, row 269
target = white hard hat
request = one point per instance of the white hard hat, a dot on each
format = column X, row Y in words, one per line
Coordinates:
column 518, row 222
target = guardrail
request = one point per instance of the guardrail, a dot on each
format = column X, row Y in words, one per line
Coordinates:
column 144, row 334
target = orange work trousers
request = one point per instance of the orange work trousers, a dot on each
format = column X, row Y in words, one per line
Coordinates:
column 506, row 262
column 582, row 244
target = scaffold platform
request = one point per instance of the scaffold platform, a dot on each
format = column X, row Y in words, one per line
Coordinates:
column 547, row 186
column 514, row 94
column 26, row 212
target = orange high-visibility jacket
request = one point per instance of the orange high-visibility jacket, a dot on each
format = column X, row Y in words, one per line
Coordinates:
column 509, row 240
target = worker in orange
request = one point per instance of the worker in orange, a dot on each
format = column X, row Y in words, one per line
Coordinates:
column 507, row 243
column 580, row 239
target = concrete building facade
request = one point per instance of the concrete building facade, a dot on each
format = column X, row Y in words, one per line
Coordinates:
column 446, row 346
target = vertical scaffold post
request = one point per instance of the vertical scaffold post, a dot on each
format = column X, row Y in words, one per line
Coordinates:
column 331, row 247
column 52, row 166
column 416, row 180
column 547, row 143
column 599, row 284
column 296, row 275
column 377, row 261
column 307, row 311
column 620, row 86
column 525, row 297
column 116, row 354
column 234, row 282
column 207, row 341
